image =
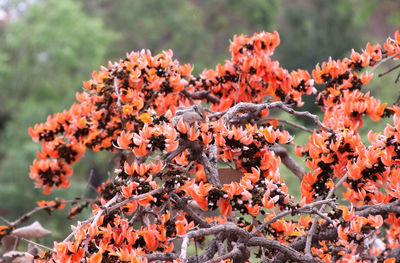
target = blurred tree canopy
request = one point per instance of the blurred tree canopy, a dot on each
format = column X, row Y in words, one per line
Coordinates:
column 49, row 47
column 197, row 31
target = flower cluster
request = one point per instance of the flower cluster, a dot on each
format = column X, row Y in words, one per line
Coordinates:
column 149, row 110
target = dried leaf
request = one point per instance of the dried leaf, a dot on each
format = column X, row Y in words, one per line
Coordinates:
column 35, row 230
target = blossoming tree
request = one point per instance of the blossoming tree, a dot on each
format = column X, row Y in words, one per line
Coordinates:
column 171, row 131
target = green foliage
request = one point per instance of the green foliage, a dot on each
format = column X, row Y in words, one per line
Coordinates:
column 309, row 33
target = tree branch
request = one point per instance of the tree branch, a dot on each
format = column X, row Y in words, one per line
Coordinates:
column 160, row 256
column 251, row 107
column 286, row 250
column 288, row 161
column 180, row 204
column 299, row 243
column 210, row 165
column 29, row 214
column 285, row 213
column 234, row 252
column 378, row 209
column 199, row 95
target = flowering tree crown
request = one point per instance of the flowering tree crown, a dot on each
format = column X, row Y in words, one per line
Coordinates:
column 171, row 131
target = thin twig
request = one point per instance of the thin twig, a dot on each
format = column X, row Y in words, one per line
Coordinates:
column 101, row 211
column 285, row 213
column 382, row 61
column 108, row 208
column 298, row 126
column 390, row 70
column 397, row 78
column 5, row 220
column 291, row 253
column 235, row 251
column 88, row 184
column 37, row 244
column 378, row 209
column 135, row 197
column 29, row 214
column 307, row 249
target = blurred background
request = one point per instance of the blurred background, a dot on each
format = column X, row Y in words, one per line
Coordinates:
column 48, row 47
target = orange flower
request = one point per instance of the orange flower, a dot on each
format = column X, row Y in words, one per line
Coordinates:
column 145, row 117
column 182, row 226
column 150, row 239
column 141, row 150
column 124, row 140
column 347, row 216
column 225, row 207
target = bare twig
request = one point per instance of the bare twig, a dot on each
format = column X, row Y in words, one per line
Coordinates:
column 29, row 214
column 288, row 161
column 320, row 214
column 37, row 244
column 298, row 126
column 88, row 184
column 397, row 78
column 217, row 114
column 5, row 220
column 382, row 61
column 390, row 70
